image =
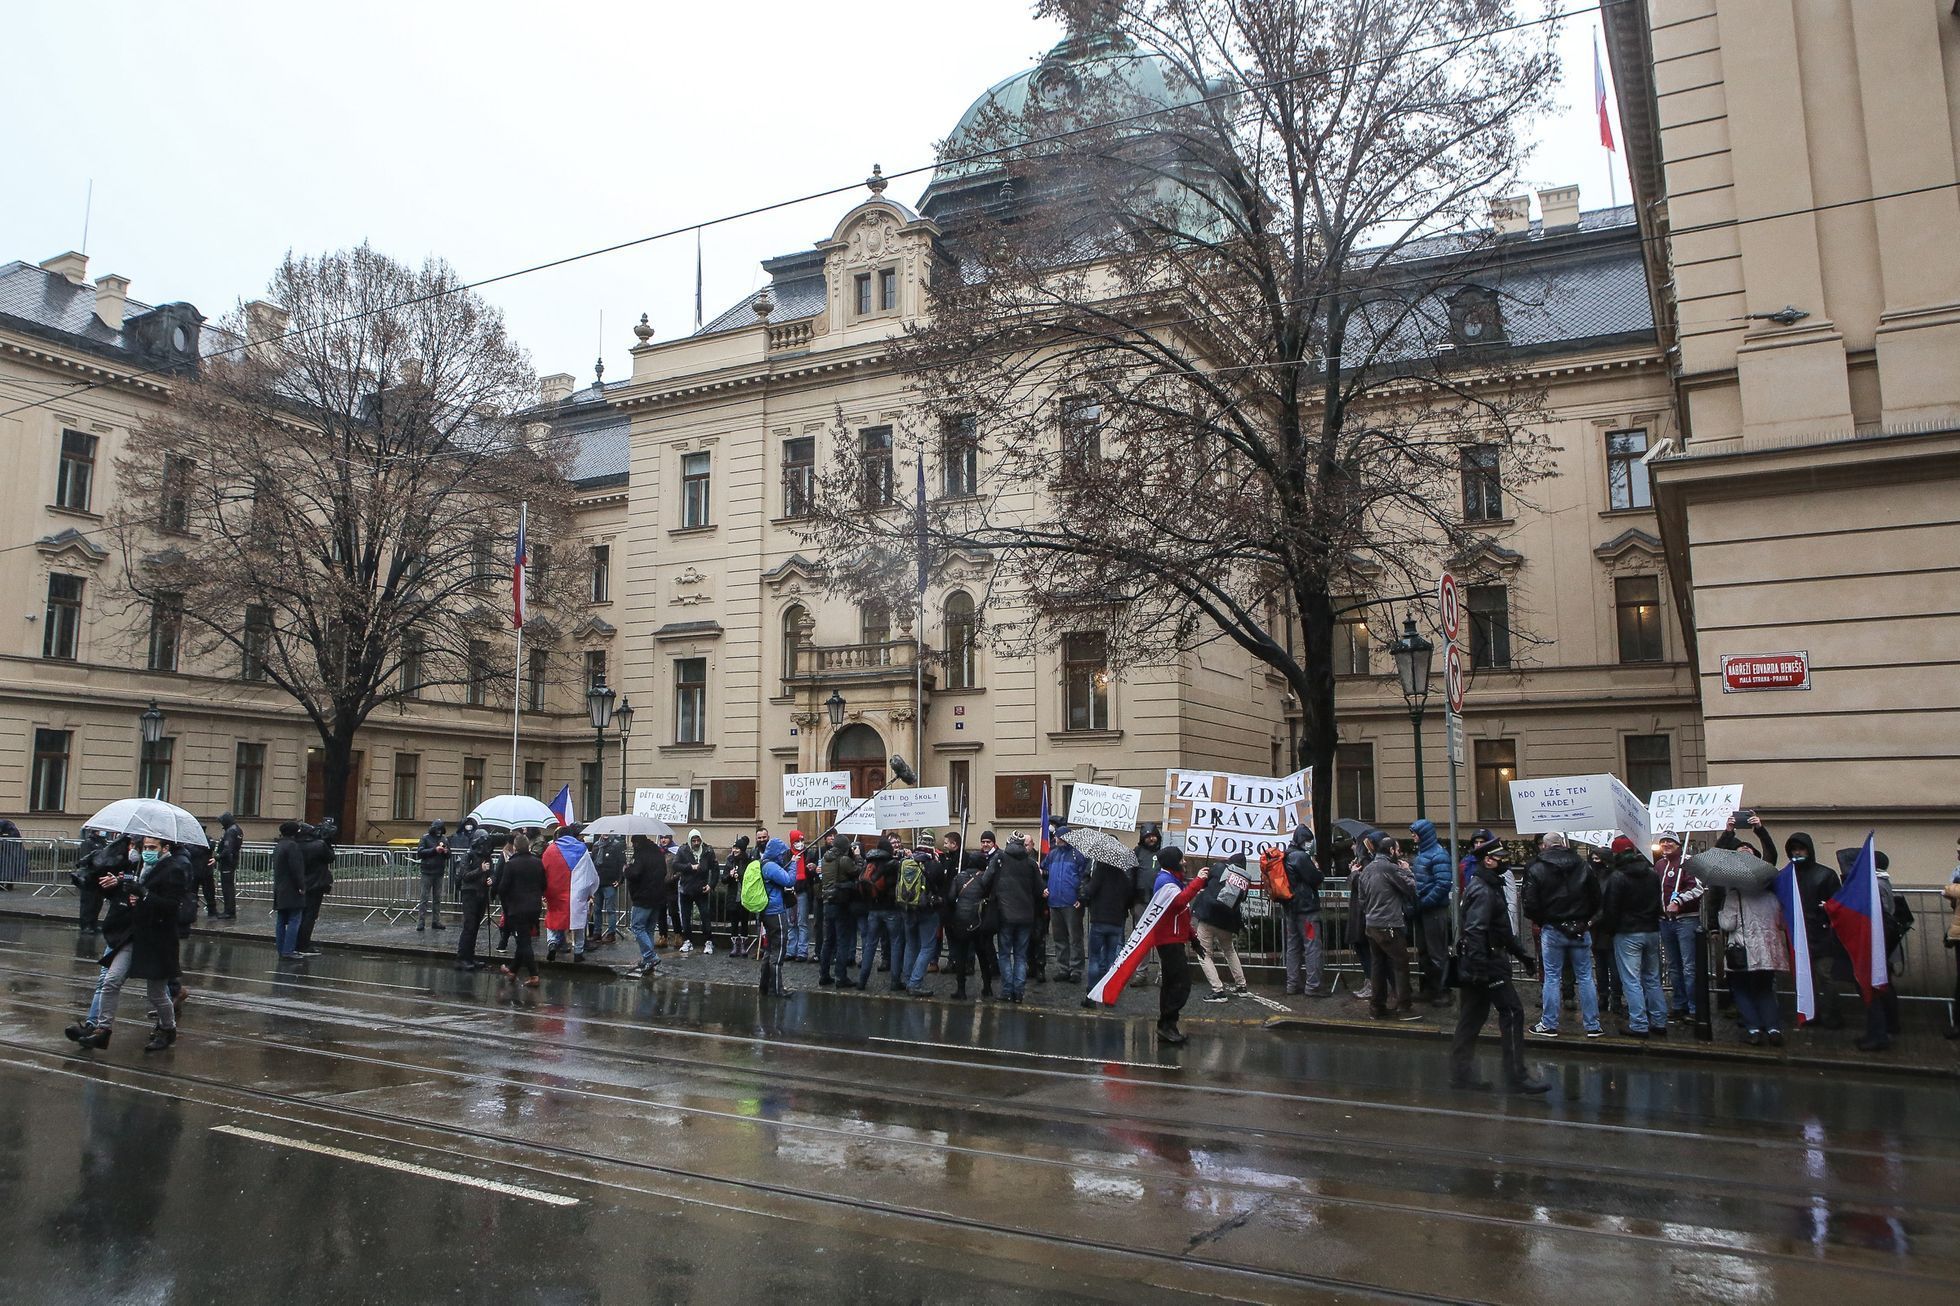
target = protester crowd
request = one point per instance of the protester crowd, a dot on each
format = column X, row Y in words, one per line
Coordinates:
column 1610, row 932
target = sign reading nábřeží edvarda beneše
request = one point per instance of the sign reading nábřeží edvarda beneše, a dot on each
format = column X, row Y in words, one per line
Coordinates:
column 1746, row 672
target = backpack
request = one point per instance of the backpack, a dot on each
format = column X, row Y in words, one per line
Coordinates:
column 1231, row 887
column 911, row 883
column 1899, row 923
column 755, row 893
column 1272, row 869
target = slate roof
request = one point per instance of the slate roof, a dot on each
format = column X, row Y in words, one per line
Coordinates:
column 44, row 303
column 796, row 281
column 601, row 452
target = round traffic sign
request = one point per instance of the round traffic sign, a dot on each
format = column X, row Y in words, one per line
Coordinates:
column 1448, row 608
column 1453, row 677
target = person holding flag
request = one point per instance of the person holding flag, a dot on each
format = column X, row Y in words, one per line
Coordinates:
column 570, row 880
column 1861, row 917
column 1165, row 926
column 1762, row 935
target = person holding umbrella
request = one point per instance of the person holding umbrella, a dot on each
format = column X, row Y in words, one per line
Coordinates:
column 141, row 931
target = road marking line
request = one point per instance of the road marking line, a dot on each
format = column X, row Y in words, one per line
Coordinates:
column 1014, row 1052
column 405, row 1167
column 294, row 978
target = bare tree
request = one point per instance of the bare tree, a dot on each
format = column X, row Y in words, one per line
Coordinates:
column 1211, row 307
column 332, row 509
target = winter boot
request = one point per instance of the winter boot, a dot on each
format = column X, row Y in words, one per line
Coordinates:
column 160, row 1039
column 1168, row 1031
column 959, row 987
column 95, row 1036
column 78, row 1031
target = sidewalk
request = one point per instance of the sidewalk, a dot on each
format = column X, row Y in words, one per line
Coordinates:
column 1922, row 1051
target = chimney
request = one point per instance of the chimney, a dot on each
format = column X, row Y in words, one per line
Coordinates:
column 264, row 322
column 556, row 388
column 1511, row 214
column 111, row 295
column 71, row 265
column 1559, row 207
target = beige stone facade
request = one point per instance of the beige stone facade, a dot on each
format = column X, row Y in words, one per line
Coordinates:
column 1795, row 163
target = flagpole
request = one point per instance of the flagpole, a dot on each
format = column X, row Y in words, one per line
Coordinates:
column 1599, row 104
column 517, row 673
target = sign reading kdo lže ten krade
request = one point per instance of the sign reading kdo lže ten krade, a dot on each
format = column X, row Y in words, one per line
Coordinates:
column 1213, row 814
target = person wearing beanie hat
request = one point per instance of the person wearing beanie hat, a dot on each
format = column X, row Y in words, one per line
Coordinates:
column 1172, row 947
column 1681, row 896
column 695, row 869
column 1630, row 911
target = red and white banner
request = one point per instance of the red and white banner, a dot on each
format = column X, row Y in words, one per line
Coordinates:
column 1155, row 921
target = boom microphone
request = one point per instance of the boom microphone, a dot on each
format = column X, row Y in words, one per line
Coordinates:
column 903, row 771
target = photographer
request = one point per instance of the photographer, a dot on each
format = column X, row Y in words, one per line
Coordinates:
column 98, row 857
column 141, row 932
column 288, row 888
column 1483, row 960
column 473, row 883
column 316, row 847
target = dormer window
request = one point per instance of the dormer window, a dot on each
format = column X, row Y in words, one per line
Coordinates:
column 874, row 293
column 863, row 294
column 887, row 289
column 1476, row 317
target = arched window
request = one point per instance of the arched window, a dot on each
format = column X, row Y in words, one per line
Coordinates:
column 792, row 632
column 959, row 640
column 874, row 622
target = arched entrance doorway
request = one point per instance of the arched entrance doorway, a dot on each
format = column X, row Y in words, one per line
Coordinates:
column 859, row 750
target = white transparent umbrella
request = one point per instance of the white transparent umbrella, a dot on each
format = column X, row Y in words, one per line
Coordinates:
column 149, row 818
column 629, row 824
column 513, row 812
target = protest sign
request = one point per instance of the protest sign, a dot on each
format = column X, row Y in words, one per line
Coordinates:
column 1597, row 838
column 1218, row 813
column 1630, row 816
column 1683, row 810
column 860, row 817
column 669, row 805
column 909, row 809
column 816, row 791
column 1106, row 807
column 1587, row 804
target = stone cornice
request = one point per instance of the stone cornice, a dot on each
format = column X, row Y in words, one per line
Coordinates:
column 45, row 354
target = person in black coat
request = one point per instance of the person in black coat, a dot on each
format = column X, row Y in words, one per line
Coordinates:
column 473, row 882
column 1483, row 958
column 1014, row 883
column 99, row 856
column 970, row 926
column 694, row 866
column 520, row 887
column 288, row 888
column 318, row 851
column 231, row 842
column 646, row 884
column 433, row 853
column 141, row 931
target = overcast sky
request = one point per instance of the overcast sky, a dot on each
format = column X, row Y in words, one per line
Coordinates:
column 500, row 135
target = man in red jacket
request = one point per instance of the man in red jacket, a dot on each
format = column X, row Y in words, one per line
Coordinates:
column 1171, row 936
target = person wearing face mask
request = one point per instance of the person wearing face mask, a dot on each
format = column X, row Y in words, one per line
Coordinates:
column 141, row 933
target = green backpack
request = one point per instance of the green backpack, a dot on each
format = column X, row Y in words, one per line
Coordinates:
column 755, row 893
column 911, row 883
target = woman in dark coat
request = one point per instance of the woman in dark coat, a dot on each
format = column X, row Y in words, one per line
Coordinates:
column 520, row 887
column 141, row 931
column 288, row 888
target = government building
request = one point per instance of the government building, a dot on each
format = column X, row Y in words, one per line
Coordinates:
column 1714, row 493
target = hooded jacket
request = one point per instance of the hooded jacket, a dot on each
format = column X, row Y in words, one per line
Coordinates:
column 694, row 866
column 1489, row 943
column 1303, row 873
column 288, row 872
column 1816, row 883
column 878, row 882
column 1143, row 879
column 1560, row 891
column 433, row 850
column 776, row 874
column 646, row 874
column 1431, row 864
column 1632, row 902
column 229, row 843
column 1107, row 895
column 1066, row 867
column 1383, row 893
column 839, row 871
column 1016, row 885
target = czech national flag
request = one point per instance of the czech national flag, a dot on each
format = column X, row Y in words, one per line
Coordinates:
column 1599, row 99
column 1799, row 935
column 1046, row 842
column 1859, row 921
column 561, row 806
column 517, row 596
column 570, row 880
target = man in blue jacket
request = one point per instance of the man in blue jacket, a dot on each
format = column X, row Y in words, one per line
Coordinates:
column 776, row 877
column 1431, row 923
column 1067, row 869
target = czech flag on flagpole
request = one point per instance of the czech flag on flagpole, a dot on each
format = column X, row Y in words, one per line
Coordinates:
column 1046, row 843
column 1599, row 98
column 517, row 571
column 1793, row 925
column 561, row 806
column 1859, row 921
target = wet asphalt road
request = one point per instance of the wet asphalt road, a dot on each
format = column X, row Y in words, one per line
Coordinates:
column 354, row 1128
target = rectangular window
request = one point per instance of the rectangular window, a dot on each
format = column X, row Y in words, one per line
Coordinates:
column 47, row 789
column 1490, row 626
column 690, row 700
column 602, row 573
column 875, row 466
column 408, row 778
column 1353, row 652
column 74, row 479
column 696, row 469
column 799, row 476
column 1497, row 766
column 887, row 289
column 959, row 456
column 534, row 679
column 255, row 643
column 1650, row 764
column 166, row 631
column 411, row 664
column 61, row 635
column 959, row 788
column 1626, row 475
column 534, row 780
column 1483, row 490
column 589, row 796
column 175, row 507
column 153, row 769
column 697, row 805
column 1081, row 431
column 248, row 780
column 1354, row 781
column 874, row 623
column 1637, row 610
column 862, row 283
column 1085, row 680
column 473, row 768
column 483, row 563
column 476, row 690
column 595, row 668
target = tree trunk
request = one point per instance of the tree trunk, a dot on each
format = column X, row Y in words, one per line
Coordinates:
column 1318, row 733
column 336, row 769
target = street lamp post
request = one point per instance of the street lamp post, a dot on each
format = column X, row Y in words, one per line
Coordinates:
column 1412, row 665
column 599, row 699
column 834, row 705
column 152, row 729
column 625, row 718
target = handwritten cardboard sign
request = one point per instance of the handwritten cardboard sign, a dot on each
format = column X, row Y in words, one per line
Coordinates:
column 1684, row 810
column 1106, row 807
column 1218, row 813
column 669, row 805
column 816, row 791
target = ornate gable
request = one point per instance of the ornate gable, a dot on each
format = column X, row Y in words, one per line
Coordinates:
column 71, row 546
column 1632, row 550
